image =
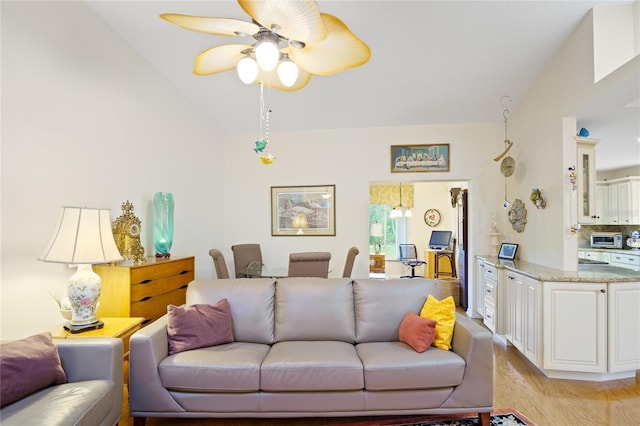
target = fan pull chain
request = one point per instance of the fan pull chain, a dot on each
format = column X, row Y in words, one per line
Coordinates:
column 262, row 144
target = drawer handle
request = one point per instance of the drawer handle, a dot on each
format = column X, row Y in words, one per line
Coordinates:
column 185, row 286
column 489, row 316
column 184, row 272
column 144, row 299
column 145, row 281
column 488, row 291
column 602, row 290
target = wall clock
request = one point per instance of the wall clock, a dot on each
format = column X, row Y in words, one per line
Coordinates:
column 432, row 217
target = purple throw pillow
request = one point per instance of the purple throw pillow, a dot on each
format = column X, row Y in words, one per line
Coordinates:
column 28, row 365
column 199, row 326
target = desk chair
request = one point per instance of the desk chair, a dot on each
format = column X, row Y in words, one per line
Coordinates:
column 451, row 255
column 409, row 257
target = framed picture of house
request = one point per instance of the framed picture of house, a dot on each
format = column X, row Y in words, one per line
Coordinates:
column 420, row 158
column 508, row 251
column 303, row 210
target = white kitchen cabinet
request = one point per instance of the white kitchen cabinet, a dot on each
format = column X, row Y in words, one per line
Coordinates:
column 618, row 201
column 575, row 326
column 524, row 314
column 626, row 260
column 586, row 179
column 602, row 203
column 479, row 293
column 491, row 298
column 624, row 327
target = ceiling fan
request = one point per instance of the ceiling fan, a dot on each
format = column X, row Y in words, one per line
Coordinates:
column 291, row 41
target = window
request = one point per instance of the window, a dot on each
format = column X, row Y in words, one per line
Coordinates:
column 394, row 231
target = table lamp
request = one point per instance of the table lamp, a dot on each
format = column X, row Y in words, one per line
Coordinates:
column 83, row 237
column 376, row 232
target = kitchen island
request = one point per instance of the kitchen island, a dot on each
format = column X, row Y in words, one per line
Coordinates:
column 582, row 325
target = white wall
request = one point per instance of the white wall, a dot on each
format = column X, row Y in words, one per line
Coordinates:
column 86, row 122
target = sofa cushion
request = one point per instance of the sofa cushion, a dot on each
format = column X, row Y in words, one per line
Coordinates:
column 311, row 366
column 198, row 326
column 314, row 309
column 444, row 312
column 234, row 367
column 251, row 303
column 417, row 332
column 380, row 305
column 395, row 366
column 79, row 403
column 28, row 365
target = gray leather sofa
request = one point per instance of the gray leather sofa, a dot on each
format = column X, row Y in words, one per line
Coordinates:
column 91, row 396
column 311, row 347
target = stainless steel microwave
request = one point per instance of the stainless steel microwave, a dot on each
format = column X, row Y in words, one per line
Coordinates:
column 606, row 240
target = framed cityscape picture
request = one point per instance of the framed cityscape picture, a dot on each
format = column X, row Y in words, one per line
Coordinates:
column 420, row 158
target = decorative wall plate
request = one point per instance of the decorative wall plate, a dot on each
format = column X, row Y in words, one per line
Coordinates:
column 432, row 217
column 518, row 215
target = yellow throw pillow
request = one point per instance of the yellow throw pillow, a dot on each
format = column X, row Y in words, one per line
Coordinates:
column 444, row 312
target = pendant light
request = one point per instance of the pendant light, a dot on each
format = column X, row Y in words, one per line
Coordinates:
column 400, row 211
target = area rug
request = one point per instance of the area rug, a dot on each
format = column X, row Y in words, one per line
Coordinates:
column 502, row 417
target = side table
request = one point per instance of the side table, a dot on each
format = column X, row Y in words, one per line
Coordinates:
column 121, row 328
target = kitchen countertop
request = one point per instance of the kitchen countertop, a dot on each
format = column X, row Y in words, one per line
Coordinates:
column 585, row 273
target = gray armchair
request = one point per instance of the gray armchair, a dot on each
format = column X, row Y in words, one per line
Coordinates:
column 219, row 263
column 243, row 255
column 309, row 264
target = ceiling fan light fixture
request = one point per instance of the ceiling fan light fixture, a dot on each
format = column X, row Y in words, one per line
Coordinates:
column 267, row 52
column 288, row 72
column 247, row 70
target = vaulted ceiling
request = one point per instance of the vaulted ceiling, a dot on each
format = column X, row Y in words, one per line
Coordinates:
column 432, row 62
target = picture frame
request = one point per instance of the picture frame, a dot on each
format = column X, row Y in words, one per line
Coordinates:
column 420, row 158
column 508, row 251
column 303, row 210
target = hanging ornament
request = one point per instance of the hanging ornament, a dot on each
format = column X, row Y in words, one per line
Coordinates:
column 262, row 144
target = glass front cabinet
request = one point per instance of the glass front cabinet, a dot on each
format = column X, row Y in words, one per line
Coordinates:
column 586, row 179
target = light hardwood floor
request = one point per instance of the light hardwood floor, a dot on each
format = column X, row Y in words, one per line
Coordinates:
column 518, row 385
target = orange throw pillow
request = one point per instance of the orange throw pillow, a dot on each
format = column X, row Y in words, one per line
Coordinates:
column 417, row 332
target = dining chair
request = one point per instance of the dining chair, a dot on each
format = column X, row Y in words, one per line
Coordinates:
column 243, row 255
column 409, row 257
column 219, row 263
column 348, row 266
column 309, row 264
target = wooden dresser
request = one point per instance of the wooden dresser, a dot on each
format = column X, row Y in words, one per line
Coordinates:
column 146, row 289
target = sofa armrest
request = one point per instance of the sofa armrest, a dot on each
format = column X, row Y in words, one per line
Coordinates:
column 474, row 343
column 92, row 359
column 147, row 348
column 95, row 359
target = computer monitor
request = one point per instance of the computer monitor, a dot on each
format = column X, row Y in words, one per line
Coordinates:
column 440, row 240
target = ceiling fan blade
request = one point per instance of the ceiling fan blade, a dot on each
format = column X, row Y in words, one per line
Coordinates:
column 297, row 20
column 341, row 50
column 218, row 59
column 218, row 26
column 270, row 79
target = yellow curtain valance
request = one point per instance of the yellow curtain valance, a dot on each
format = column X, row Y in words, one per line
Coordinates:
column 390, row 195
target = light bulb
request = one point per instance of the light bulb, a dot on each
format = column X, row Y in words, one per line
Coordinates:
column 267, row 54
column 288, row 72
column 247, row 70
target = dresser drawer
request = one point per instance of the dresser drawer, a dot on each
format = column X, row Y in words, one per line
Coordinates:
column 628, row 261
column 162, row 285
column 151, row 272
column 154, row 307
column 489, row 316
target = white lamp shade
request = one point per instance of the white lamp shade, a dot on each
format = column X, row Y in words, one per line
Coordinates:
column 288, row 72
column 376, row 230
column 408, row 213
column 395, row 213
column 83, row 236
column 267, row 55
column 247, row 70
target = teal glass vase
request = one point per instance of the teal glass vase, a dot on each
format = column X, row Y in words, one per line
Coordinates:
column 163, row 223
